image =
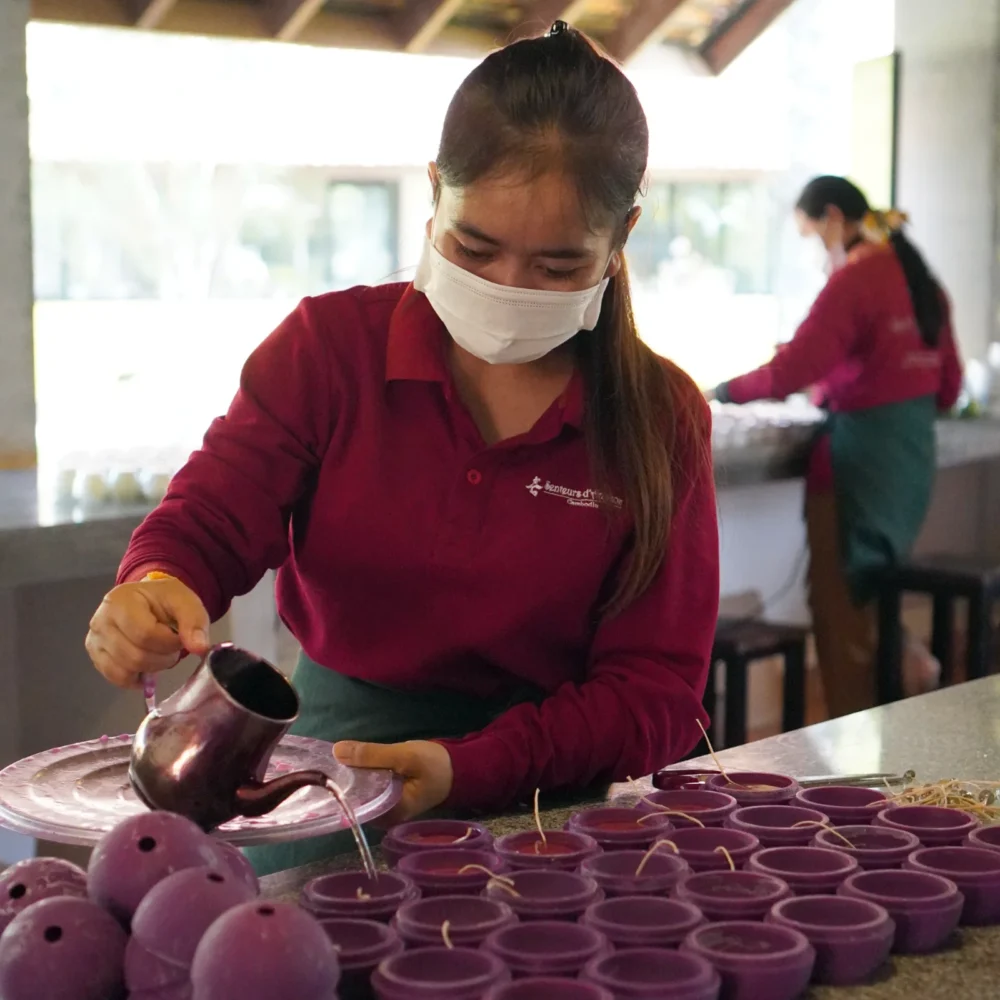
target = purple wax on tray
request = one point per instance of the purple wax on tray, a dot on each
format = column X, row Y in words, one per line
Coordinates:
column 729, row 895
column 643, row 921
column 975, row 871
column 778, row 826
column 439, row 974
column 925, row 908
column 852, row 937
column 434, row 834
column 654, row 974
column 755, row 960
column 561, row 849
column 355, row 895
column 845, row 805
column 361, row 945
column 711, row 849
column 690, row 807
column 451, row 871
column 547, row 947
column 934, row 826
column 620, row 829
column 755, row 788
column 546, row 895
column 807, row 870
column 616, row 872
column 873, row 847
column 470, row 920
column 549, row 988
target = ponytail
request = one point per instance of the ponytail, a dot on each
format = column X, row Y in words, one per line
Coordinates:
column 925, row 292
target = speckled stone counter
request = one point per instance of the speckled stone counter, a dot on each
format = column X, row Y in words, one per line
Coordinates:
column 951, row 733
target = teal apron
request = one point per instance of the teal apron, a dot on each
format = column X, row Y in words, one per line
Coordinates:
column 884, row 461
column 336, row 707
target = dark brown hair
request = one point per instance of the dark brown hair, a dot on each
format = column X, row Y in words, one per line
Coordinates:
column 557, row 103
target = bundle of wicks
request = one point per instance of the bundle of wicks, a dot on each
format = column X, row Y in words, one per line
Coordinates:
column 978, row 798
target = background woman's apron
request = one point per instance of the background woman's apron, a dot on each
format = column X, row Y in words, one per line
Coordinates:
column 335, row 707
column 884, row 461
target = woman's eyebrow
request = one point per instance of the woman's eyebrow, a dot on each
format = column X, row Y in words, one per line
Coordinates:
column 552, row 253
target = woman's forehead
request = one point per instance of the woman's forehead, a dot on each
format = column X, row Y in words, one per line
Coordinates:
column 522, row 213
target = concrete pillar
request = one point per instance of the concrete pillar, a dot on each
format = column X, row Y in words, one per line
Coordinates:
column 17, row 381
column 947, row 150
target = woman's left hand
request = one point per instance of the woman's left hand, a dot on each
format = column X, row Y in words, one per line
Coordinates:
column 425, row 768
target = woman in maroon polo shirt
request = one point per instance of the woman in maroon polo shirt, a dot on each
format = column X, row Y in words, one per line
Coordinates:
column 490, row 504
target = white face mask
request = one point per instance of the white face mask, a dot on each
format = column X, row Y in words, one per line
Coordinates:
column 500, row 324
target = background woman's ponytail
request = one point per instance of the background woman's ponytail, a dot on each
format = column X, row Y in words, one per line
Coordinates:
column 925, row 290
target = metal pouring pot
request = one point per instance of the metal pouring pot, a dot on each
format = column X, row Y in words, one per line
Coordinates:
column 204, row 751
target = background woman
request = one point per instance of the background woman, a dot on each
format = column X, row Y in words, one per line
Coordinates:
column 878, row 349
column 491, row 505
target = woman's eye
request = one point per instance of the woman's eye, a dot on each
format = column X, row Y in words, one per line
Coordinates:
column 472, row 254
column 561, row 275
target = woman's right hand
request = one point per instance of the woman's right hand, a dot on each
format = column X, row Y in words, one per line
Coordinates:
column 145, row 627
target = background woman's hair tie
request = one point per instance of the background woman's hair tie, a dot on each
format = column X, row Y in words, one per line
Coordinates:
column 558, row 27
column 882, row 226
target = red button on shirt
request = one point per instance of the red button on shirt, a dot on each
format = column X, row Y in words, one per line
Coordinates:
column 474, row 476
column 344, row 460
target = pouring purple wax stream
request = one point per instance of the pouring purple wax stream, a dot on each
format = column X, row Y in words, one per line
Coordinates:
column 367, row 861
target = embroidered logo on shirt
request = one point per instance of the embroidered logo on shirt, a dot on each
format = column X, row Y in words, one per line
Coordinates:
column 575, row 498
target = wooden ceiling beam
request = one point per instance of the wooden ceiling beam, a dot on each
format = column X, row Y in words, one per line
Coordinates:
column 285, row 19
column 734, row 35
column 644, row 24
column 421, row 21
column 149, row 14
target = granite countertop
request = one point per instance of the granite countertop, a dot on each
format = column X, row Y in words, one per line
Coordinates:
column 950, row 733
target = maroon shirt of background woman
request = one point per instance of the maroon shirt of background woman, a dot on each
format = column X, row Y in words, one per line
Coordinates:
column 414, row 556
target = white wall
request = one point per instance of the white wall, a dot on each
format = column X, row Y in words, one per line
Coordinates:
column 947, row 151
column 17, row 387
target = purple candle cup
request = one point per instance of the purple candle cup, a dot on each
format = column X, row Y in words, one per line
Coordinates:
column 778, row 826
column 807, row 870
column 451, row 871
column 683, row 806
column 615, row 872
column 471, row 920
column 431, row 835
column 755, row 960
column 933, row 826
column 562, row 849
column 974, row 870
column 546, row 895
column 654, row 974
column 925, row 908
column 844, row 805
column 682, row 778
column 361, row 946
column 621, row 829
column 706, row 850
column 438, row 974
column 353, row 895
column 730, row 895
column 874, row 847
column 547, row 948
column 852, row 937
column 549, row 988
column 755, row 788
column 643, row 921
column 986, row 837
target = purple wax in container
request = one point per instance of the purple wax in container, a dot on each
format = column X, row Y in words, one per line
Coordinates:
column 471, row 919
column 546, row 895
column 547, row 947
column 729, row 895
column 987, row 837
column 451, row 871
column 355, row 895
column 439, row 974
column 778, row 826
column 549, row 988
column 755, row 960
column 615, row 872
column 35, row 879
column 975, row 871
column 874, row 847
column 845, row 805
column 709, row 808
column 755, row 788
column 620, row 829
column 852, row 937
column 933, row 826
column 807, row 870
column 654, row 974
column 561, row 849
column 643, row 921
column 433, row 834
column 361, row 945
column 706, row 849
column 925, row 908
